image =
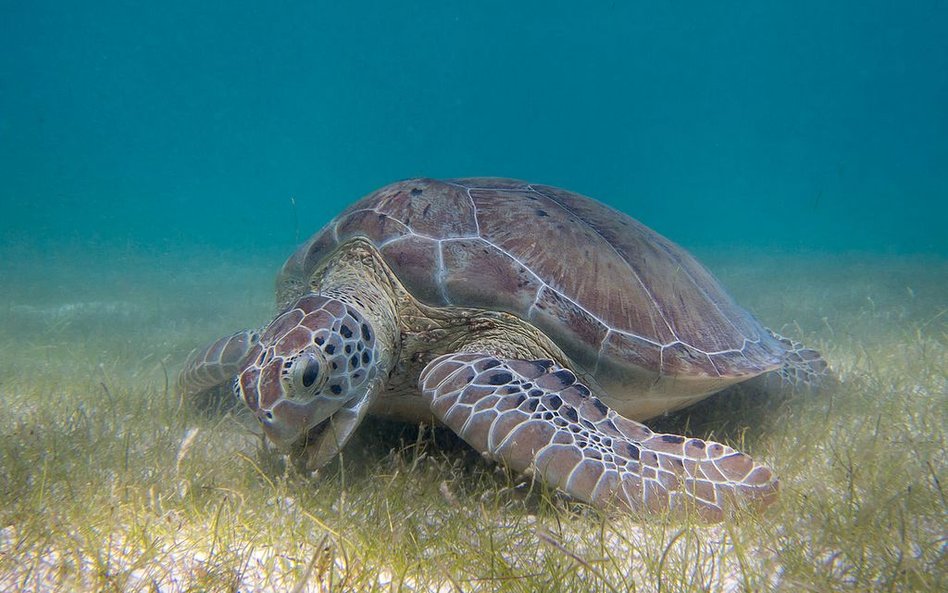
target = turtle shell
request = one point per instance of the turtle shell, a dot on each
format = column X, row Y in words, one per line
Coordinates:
column 625, row 303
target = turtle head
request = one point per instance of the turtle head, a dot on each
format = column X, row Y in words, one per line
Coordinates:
column 314, row 362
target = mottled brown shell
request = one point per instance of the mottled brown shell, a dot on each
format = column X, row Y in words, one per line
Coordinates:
column 615, row 295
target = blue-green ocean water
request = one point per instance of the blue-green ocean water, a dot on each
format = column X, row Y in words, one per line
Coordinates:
column 806, row 125
column 160, row 159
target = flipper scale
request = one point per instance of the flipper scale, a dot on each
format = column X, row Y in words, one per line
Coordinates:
column 536, row 416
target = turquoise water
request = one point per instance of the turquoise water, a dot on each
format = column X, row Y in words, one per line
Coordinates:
column 159, row 161
column 809, row 126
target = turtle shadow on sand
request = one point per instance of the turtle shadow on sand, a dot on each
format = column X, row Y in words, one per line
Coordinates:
column 740, row 413
column 536, row 324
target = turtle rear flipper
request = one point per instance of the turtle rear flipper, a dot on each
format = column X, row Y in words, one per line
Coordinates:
column 206, row 379
column 803, row 368
column 535, row 416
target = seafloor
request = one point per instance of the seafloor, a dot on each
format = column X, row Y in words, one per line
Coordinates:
column 108, row 483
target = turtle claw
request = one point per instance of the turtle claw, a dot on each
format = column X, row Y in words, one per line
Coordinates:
column 535, row 416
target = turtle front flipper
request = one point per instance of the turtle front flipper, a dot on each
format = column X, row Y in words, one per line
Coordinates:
column 534, row 416
column 209, row 372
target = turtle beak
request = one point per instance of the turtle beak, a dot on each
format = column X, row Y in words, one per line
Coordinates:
column 284, row 421
column 288, row 421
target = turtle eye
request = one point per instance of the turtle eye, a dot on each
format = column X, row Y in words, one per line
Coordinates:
column 310, row 372
column 305, row 374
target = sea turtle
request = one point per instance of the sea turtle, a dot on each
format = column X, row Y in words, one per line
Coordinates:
column 536, row 323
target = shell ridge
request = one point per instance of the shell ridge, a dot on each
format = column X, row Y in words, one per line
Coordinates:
column 635, row 274
column 602, row 347
column 441, row 273
column 529, row 314
column 477, row 224
column 714, row 302
column 558, row 292
column 409, row 230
